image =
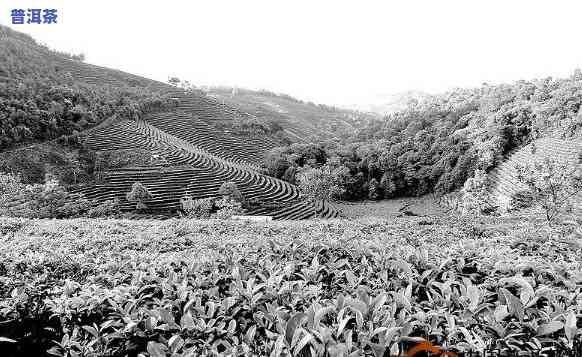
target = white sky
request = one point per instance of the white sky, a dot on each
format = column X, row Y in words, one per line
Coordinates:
column 334, row 52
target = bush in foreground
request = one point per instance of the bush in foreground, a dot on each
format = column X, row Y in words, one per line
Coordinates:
column 334, row 288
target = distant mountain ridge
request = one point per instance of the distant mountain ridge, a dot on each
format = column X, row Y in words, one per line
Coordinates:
column 302, row 121
column 391, row 103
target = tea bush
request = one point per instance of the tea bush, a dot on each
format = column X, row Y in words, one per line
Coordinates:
column 107, row 208
column 200, row 208
column 228, row 208
column 322, row 288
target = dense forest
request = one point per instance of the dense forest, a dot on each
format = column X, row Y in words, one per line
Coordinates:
column 436, row 144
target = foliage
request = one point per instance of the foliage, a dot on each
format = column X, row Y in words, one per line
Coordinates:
column 279, row 159
column 374, row 189
column 139, row 194
column 10, row 186
column 71, row 165
column 229, row 191
column 520, row 200
column 319, row 184
column 42, row 101
column 436, row 144
column 333, row 288
column 116, row 159
column 290, row 174
column 553, row 185
column 48, row 200
column 108, row 208
column 252, row 126
column 287, row 119
column 475, row 195
column 200, row 208
column 227, row 208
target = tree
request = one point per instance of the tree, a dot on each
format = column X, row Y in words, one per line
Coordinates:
column 139, row 194
column 276, row 162
column 319, row 184
column 388, row 185
column 553, row 185
column 290, row 174
column 374, row 189
column 475, row 196
column 229, row 190
column 10, row 187
column 48, row 200
column 174, row 81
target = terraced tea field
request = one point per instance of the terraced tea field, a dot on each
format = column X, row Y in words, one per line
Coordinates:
column 503, row 178
column 197, row 156
column 502, row 181
column 365, row 287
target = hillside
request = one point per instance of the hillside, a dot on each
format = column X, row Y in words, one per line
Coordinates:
column 435, row 145
column 302, row 121
column 386, row 104
column 59, row 116
column 502, row 180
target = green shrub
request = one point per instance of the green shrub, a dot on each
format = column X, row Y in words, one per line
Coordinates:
column 200, row 208
column 521, row 200
column 212, row 288
column 475, row 195
column 553, row 185
column 48, row 200
column 229, row 191
column 374, row 190
column 107, row 208
column 320, row 184
column 228, row 208
column 10, row 186
column 140, row 195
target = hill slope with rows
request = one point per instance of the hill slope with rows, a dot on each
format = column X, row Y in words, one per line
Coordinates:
column 302, row 121
column 52, row 98
column 502, row 180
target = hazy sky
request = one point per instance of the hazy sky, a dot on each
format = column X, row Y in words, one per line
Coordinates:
column 335, row 52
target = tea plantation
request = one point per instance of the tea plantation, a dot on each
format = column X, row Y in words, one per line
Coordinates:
column 366, row 287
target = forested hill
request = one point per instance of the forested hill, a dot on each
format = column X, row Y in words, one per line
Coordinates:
column 436, row 144
column 49, row 100
column 301, row 121
column 47, row 94
column 43, row 98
